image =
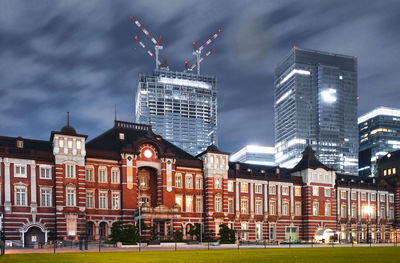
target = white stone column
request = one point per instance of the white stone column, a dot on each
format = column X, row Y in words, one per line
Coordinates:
column 237, row 197
column 7, row 190
column 265, row 198
column 291, row 200
column 278, row 192
column 33, row 183
column 251, row 198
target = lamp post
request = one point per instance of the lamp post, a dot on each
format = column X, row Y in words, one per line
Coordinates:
column 368, row 212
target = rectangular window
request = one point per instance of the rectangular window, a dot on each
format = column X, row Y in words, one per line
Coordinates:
column 189, row 203
column 297, row 191
column 69, row 143
column 327, row 192
column 285, row 190
column 285, row 208
column 272, row 189
column 61, row 142
column 218, row 183
column 102, row 175
column 244, row 187
column 70, row 171
column 71, row 225
column 271, row 232
column 383, row 215
column 297, row 209
column 315, row 191
column 89, row 200
column 45, row 197
column 363, row 196
column 383, row 198
column 230, row 206
column 103, row 200
column 20, row 196
column 258, row 207
column 199, row 204
column 71, row 200
column 353, row 196
column 230, row 186
column 343, row 210
column 45, row 173
column 244, row 205
column 353, row 211
column 115, row 201
column 343, row 195
column 114, row 176
column 327, row 209
column 391, row 198
column 258, row 189
column 391, row 213
column 78, row 145
column 199, row 182
column 178, row 180
column 179, row 200
column 373, row 197
column 218, row 204
column 20, row 170
column 89, row 175
column 315, row 210
column 189, row 181
column 258, row 231
column 272, row 207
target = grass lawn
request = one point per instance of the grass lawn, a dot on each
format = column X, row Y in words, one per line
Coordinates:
column 360, row 254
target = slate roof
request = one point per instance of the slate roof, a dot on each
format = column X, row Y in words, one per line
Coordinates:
column 134, row 133
column 309, row 161
column 28, row 143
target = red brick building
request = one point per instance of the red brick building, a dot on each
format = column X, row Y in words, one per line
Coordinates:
column 67, row 187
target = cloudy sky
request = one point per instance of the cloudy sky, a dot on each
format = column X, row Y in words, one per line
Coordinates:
column 80, row 56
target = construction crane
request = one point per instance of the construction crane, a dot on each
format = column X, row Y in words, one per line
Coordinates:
column 197, row 52
column 190, row 68
column 157, row 44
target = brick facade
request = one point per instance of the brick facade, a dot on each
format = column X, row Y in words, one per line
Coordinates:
column 68, row 188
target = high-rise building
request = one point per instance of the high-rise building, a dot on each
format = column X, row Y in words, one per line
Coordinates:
column 180, row 106
column 254, row 154
column 316, row 104
column 379, row 134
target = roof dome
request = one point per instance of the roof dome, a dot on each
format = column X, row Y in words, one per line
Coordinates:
column 68, row 130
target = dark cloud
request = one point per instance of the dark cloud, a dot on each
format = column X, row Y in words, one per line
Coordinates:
column 80, row 56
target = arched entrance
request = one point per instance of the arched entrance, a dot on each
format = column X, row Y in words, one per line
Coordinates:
column 324, row 235
column 147, row 177
column 103, row 230
column 34, row 236
column 90, row 230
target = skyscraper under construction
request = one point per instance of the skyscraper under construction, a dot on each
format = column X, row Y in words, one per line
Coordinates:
column 180, row 106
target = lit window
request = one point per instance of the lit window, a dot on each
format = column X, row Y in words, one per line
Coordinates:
column 363, row 196
column 122, row 136
column 20, row 144
column 69, row 143
column 258, row 189
column 179, row 200
column 78, row 145
column 315, row 191
column 343, row 194
column 189, row 203
column 393, row 170
column 61, row 142
column 230, row 186
column 353, row 195
column 297, row 191
column 243, row 187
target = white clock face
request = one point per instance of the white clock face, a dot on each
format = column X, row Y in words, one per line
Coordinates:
column 147, row 153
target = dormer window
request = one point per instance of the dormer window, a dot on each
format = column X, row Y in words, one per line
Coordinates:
column 122, row 136
column 20, row 144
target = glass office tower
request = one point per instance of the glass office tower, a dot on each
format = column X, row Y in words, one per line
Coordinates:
column 255, row 154
column 379, row 132
column 180, row 106
column 316, row 103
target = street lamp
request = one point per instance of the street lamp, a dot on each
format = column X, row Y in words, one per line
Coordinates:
column 368, row 212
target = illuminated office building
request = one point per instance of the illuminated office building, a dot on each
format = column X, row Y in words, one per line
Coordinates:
column 379, row 135
column 254, row 154
column 316, row 104
column 180, row 106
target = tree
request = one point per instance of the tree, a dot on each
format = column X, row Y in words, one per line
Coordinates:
column 227, row 235
column 195, row 231
column 125, row 233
